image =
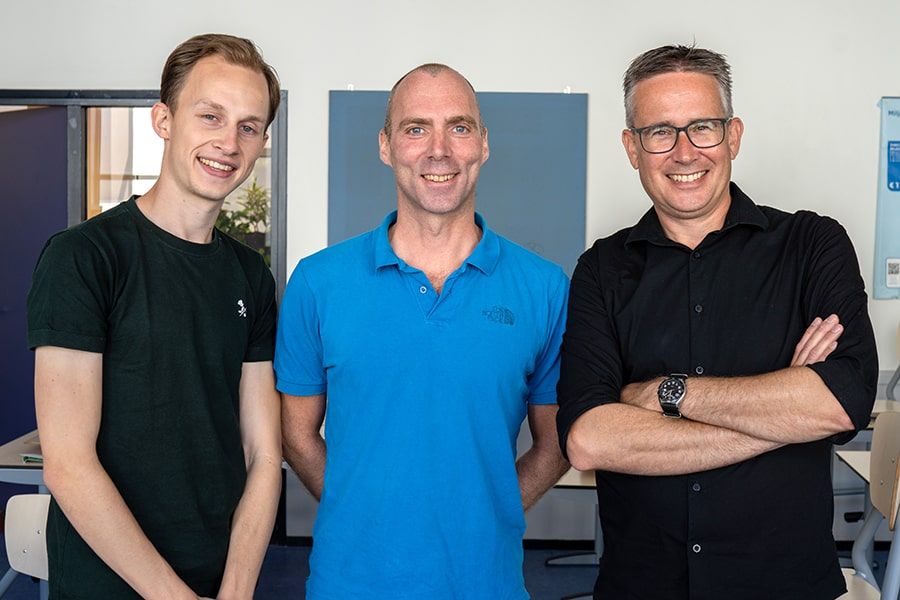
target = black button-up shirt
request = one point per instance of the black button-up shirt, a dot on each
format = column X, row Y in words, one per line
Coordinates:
column 642, row 306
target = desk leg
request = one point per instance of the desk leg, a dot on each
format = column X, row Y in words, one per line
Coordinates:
column 864, row 543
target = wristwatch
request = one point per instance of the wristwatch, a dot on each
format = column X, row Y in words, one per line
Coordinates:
column 671, row 393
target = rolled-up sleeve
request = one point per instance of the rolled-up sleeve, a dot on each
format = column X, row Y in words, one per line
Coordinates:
column 834, row 286
column 590, row 361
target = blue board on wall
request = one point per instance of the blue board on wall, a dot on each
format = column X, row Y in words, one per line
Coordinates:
column 532, row 189
column 887, row 219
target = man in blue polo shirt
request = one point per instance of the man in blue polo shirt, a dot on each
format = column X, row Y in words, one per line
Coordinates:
column 431, row 337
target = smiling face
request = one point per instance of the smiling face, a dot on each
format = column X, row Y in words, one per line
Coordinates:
column 217, row 132
column 436, row 144
column 687, row 183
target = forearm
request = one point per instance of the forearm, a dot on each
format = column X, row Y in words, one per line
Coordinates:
column 251, row 528
column 628, row 439
column 306, row 456
column 792, row 405
column 539, row 469
column 95, row 508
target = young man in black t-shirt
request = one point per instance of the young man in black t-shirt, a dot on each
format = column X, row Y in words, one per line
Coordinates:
column 154, row 336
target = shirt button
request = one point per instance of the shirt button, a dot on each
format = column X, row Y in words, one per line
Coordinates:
column 696, row 548
column 423, row 289
column 698, row 308
column 696, row 488
column 698, row 369
column 696, row 255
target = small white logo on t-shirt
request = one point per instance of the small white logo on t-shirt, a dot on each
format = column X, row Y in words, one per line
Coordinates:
column 242, row 310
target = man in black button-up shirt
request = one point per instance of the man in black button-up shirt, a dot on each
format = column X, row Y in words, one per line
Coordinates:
column 765, row 313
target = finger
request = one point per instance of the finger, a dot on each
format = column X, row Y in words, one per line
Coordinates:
column 826, row 345
column 821, row 342
column 801, row 350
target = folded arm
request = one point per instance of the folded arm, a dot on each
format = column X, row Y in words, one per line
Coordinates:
column 68, row 397
column 791, row 405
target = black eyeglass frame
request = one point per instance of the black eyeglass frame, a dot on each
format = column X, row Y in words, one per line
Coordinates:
column 723, row 120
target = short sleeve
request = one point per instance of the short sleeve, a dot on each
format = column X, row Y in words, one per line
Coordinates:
column 834, row 286
column 70, row 295
column 542, row 382
column 261, row 346
column 590, row 367
column 298, row 350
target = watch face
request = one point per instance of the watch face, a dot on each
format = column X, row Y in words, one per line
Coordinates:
column 671, row 390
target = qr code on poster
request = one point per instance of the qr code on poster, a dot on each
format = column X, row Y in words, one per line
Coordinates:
column 893, row 273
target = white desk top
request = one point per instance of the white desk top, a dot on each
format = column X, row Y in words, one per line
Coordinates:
column 858, row 460
column 13, row 469
column 577, row 479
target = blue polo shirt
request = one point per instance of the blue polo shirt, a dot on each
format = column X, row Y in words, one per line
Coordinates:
column 425, row 397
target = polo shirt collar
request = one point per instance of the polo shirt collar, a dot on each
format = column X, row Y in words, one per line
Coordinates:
column 484, row 257
column 743, row 211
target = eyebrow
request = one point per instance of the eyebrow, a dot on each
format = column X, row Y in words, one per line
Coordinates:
column 449, row 121
column 204, row 103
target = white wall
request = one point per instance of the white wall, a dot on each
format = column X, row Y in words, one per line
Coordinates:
column 807, row 77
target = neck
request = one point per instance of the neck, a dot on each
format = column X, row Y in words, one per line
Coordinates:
column 691, row 231
column 435, row 244
column 184, row 216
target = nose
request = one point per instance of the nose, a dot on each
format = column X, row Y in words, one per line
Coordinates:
column 684, row 150
column 227, row 141
column 438, row 147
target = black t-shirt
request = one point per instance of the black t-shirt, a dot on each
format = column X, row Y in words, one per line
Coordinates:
column 175, row 321
column 642, row 306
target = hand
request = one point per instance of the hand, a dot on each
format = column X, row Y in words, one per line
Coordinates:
column 818, row 341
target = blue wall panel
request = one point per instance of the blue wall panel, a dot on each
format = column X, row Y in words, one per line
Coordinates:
column 531, row 190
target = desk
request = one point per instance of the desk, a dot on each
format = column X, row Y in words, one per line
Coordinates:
column 857, row 460
column 14, row 470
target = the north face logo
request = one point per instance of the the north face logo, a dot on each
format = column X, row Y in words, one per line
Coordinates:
column 499, row 314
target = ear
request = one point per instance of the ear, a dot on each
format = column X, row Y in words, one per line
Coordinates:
column 485, row 147
column 631, row 149
column 735, row 132
column 384, row 148
column 159, row 116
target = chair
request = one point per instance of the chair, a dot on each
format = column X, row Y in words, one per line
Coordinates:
column 884, row 482
column 26, row 541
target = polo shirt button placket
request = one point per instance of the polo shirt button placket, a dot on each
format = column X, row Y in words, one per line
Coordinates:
column 696, row 548
column 423, row 290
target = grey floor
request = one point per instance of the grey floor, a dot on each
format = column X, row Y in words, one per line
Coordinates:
column 285, row 569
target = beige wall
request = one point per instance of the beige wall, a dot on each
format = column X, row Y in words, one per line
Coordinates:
column 807, row 77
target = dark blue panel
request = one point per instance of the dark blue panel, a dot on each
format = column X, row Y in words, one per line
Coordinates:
column 33, row 187
column 531, row 190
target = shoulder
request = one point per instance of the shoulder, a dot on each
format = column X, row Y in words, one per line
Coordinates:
column 250, row 259
column 610, row 252
column 341, row 259
column 804, row 225
column 103, row 235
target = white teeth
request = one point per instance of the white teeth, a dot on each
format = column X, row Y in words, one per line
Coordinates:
column 216, row 165
column 688, row 178
column 439, row 178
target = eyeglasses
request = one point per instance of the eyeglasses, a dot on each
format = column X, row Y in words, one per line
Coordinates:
column 702, row 133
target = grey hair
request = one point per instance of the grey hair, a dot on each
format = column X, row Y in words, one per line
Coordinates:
column 433, row 69
column 675, row 59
